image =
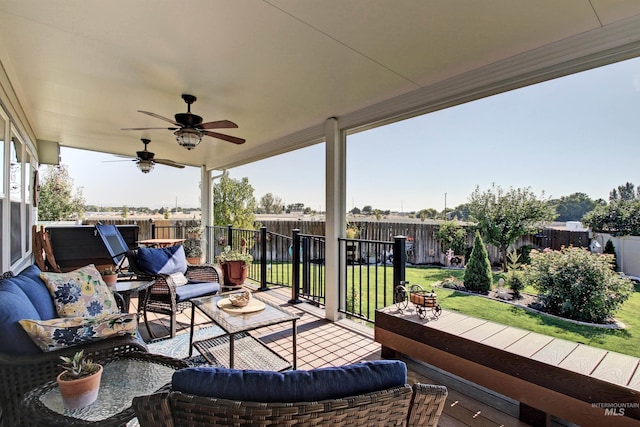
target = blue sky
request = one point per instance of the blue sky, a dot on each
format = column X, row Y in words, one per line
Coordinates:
column 575, row 134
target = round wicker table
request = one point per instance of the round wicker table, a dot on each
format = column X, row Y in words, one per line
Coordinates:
column 124, row 378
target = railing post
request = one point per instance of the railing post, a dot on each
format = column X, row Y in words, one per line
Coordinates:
column 295, row 268
column 263, row 259
column 230, row 236
column 399, row 259
column 153, row 230
column 306, row 265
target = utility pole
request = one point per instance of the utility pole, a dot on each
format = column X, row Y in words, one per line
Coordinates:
column 445, row 206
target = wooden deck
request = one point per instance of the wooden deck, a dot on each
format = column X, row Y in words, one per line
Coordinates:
column 323, row 343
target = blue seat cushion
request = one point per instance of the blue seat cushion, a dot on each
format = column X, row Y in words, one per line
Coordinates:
column 36, row 290
column 195, row 289
column 291, row 386
column 15, row 306
column 162, row 260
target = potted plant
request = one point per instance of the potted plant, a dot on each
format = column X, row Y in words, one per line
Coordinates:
column 234, row 266
column 80, row 381
column 193, row 250
column 110, row 276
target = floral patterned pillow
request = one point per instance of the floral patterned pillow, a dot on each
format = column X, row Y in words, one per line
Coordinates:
column 64, row 332
column 80, row 293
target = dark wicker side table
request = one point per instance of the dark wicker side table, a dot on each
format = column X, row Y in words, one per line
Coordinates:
column 124, row 378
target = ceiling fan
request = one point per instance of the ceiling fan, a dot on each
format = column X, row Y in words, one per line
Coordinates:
column 146, row 160
column 189, row 127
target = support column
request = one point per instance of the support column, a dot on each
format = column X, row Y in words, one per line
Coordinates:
column 206, row 209
column 336, row 188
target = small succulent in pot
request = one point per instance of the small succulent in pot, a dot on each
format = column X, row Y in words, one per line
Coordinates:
column 78, row 366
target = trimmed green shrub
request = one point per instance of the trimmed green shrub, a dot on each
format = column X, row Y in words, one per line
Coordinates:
column 577, row 284
column 515, row 280
column 477, row 273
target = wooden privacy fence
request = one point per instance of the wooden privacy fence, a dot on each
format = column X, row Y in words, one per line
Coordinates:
column 422, row 247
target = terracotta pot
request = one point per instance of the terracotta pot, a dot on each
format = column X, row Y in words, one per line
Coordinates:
column 110, row 279
column 193, row 260
column 234, row 273
column 81, row 392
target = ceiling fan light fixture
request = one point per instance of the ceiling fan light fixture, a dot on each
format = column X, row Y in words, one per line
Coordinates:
column 145, row 166
column 188, row 138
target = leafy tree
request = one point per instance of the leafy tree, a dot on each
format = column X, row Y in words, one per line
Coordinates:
column 271, row 204
column 577, row 284
column 624, row 192
column 355, row 211
column 57, row 199
column 295, row 207
column 427, row 214
column 460, row 212
column 477, row 273
column 233, row 202
column 367, row 210
column 621, row 217
column 503, row 216
column 451, row 235
column 573, row 207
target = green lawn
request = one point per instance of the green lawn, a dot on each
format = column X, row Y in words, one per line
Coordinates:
column 361, row 281
column 625, row 341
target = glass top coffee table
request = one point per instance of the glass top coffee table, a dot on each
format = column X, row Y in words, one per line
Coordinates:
column 238, row 349
column 123, row 378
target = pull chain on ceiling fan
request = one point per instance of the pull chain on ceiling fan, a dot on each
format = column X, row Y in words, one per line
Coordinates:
column 190, row 129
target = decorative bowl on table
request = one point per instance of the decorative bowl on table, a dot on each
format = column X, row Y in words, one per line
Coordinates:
column 240, row 299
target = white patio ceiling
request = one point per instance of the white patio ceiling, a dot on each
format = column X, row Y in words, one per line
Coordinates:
column 280, row 68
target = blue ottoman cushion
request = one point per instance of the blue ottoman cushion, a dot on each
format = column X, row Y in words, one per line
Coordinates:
column 291, row 386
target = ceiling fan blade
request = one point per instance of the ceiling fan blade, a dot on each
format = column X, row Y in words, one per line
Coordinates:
column 220, row 124
column 224, row 137
column 168, row 163
column 157, row 116
column 123, row 160
column 149, row 128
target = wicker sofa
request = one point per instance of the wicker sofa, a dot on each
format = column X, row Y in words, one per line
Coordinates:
column 365, row 394
column 23, row 366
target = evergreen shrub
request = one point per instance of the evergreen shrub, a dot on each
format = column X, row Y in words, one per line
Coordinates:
column 477, row 273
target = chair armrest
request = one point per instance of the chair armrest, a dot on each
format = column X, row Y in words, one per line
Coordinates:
column 204, row 272
column 153, row 410
column 426, row 405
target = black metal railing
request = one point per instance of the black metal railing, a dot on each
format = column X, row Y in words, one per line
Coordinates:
column 369, row 269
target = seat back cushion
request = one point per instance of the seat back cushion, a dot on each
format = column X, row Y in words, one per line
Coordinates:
column 291, row 386
column 80, row 293
column 37, row 291
column 15, row 306
column 162, row 260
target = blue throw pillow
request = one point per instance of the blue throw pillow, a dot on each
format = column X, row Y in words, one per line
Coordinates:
column 291, row 386
column 162, row 260
column 15, row 306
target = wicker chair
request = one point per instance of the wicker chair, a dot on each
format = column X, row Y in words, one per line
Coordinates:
column 417, row 406
column 162, row 298
column 21, row 374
